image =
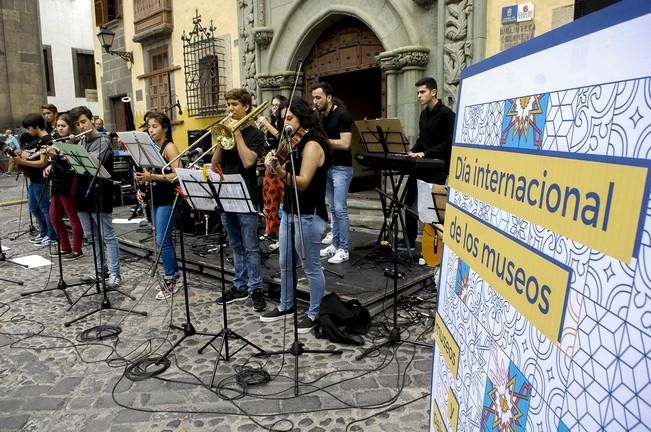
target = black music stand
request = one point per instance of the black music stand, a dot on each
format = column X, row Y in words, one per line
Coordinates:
column 61, row 284
column 231, row 195
column 385, row 137
column 145, row 154
column 86, row 164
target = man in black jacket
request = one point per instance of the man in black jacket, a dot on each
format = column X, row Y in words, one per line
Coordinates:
column 436, row 126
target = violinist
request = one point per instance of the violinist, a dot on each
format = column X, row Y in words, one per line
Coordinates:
column 311, row 144
column 38, row 197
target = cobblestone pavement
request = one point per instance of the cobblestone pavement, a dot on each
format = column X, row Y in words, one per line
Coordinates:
column 51, row 381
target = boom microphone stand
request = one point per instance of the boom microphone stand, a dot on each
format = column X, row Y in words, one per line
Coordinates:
column 297, row 347
column 32, row 229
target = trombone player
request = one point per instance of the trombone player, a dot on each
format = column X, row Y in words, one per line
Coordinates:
column 242, row 229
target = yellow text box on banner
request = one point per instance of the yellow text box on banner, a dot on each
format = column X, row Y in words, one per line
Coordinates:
column 453, row 411
column 447, row 345
column 535, row 285
column 593, row 201
column 437, row 420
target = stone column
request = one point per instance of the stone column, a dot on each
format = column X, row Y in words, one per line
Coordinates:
column 403, row 67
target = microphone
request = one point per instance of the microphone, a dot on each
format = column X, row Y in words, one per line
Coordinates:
column 178, row 105
column 288, row 130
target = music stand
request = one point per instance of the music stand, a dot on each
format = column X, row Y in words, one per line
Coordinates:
column 145, row 154
column 87, row 164
column 61, row 284
column 385, row 137
column 230, row 195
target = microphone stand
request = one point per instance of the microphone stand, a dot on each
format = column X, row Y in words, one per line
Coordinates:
column 297, row 347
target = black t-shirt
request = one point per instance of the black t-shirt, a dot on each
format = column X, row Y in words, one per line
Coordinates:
column 336, row 122
column 436, row 126
column 35, row 175
column 232, row 164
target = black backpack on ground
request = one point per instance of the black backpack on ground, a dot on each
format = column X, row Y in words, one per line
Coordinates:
column 342, row 321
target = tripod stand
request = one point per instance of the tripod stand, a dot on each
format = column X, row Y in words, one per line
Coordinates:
column 81, row 161
column 393, row 338
column 3, row 258
column 232, row 196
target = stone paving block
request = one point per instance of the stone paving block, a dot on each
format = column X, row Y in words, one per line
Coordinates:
column 13, row 422
column 45, row 403
column 65, row 386
column 10, row 405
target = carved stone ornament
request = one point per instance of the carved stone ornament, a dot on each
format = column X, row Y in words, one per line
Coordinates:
column 269, row 81
column 409, row 56
column 424, row 3
column 457, row 47
column 263, row 36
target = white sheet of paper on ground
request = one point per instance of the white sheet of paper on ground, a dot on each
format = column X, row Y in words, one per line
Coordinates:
column 31, row 261
column 127, row 221
column 4, row 248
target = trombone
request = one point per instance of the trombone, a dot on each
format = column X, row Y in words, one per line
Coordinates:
column 222, row 134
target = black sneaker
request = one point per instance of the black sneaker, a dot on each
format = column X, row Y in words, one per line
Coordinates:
column 258, row 300
column 305, row 324
column 54, row 253
column 233, row 295
column 275, row 315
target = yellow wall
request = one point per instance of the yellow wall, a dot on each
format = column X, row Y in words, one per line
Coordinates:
column 223, row 15
column 543, row 10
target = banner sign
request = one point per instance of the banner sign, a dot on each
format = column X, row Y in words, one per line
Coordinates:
column 543, row 320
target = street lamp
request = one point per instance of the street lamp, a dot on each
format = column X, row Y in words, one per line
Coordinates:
column 106, row 37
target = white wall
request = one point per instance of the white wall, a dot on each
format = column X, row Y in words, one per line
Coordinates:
column 67, row 24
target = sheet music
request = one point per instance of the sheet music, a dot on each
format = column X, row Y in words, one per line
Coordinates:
column 233, row 194
column 426, row 209
column 143, row 149
column 196, row 188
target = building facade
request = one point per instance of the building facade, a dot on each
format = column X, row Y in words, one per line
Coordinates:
column 182, row 61
column 21, row 67
column 69, row 66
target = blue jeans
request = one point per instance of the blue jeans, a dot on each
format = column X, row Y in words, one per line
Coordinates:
column 163, row 214
column 109, row 237
column 39, row 205
column 242, row 232
column 314, row 229
column 339, row 178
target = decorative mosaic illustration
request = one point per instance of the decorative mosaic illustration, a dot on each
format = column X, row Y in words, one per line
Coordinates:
column 513, row 373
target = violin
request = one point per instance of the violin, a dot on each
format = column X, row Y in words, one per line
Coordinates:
column 284, row 149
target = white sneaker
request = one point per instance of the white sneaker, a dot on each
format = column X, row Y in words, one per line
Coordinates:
column 327, row 239
column 339, row 257
column 328, row 252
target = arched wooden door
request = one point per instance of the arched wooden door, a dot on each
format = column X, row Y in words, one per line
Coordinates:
column 344, row 56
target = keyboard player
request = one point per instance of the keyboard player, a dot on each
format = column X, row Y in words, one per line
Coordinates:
column 434, row 141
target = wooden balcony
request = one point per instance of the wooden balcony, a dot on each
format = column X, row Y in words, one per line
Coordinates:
column 152, row 19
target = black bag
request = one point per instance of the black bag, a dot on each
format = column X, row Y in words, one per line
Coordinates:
column 342, row 322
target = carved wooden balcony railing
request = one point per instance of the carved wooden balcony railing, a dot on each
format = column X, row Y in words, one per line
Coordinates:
column 152, row 19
